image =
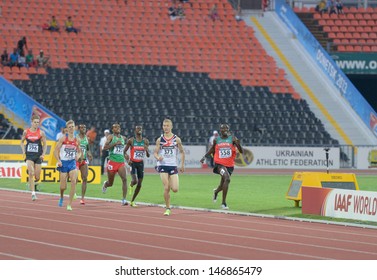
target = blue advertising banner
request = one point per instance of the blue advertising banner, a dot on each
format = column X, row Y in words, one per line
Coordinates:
column 327, row 64
column 24, row 107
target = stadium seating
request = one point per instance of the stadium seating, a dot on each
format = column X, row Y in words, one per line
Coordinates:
column 100, row 94
column 355, row 23
column 131, row 63
column 142, row 33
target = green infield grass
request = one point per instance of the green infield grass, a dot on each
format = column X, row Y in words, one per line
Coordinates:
column 261, row 194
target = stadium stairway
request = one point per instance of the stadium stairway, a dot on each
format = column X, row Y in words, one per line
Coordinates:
column 323, row 98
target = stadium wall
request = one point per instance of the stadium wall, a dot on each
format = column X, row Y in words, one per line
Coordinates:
column 346, row 89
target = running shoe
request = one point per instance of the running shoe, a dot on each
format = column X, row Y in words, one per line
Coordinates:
column 167, row 212
column 33, row 197
column 133, row 204
column 75, row 196
column 60, row 202
column 69, row 207
column 103, row 187
column 124, row 202
column 82, row 202
column 131, row 190
column 224, row 206
column 214, row 198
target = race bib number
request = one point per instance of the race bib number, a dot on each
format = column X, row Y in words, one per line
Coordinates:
column 32, row 148
column 83, row 148
column 69, row 154
column 139, row 155
column 118, row 150
column 225, row 153
column 168, row 153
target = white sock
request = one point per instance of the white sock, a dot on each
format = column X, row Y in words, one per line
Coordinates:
column 32, row 193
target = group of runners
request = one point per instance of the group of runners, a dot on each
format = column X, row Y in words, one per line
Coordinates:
column 72, row 154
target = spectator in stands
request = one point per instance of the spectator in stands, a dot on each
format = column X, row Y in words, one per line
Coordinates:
column 62, row 132
column 53, row 26
column 265, row 4
column 22, row 60
column 172, row 11
column 213, row 13
column 210, row 144
column 13, row 58
column 238, row 13
column 329, row 4
column 103, row 153
column 321, row 7
column 5, row 58
column 21, row 44
column 92, row 135
column 69, row 26
column 30, row 61
column 332, row 9
column 181, row 11
column 339, row 7
column 42, row 60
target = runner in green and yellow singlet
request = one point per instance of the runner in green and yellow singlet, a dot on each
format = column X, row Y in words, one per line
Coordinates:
column 115, row 143
column 82, row 163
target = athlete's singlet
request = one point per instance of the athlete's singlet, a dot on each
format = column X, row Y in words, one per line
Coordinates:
column 169, row 151
column 33, row 146
column 225, row 151
column 116, row 153
column 83, row 146
column 137, row 151
column 68, row 150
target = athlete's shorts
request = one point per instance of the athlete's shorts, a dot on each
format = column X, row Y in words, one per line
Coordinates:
column 67, row 166
column 218, row 166
column 36, row 159
column 137, row 168
column 82, row 163
column 171, row 170
column 113, row 166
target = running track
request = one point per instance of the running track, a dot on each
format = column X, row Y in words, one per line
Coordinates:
column 106, row 230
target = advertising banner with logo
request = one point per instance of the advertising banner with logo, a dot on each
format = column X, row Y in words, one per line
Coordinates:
column 49, row 174
column 288, row 158
column 338, row 203
column 11, row 169
column 366, row 158
column 356, row 63
column 327, row 64
column 24, row 107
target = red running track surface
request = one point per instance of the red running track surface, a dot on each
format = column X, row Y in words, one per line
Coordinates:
column 106, row 230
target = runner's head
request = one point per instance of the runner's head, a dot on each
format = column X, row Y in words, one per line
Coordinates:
column 115, row 128
column 35, row 119
column 138, row 129
column 70, row 125
column 167, row 125
column 224, row 130
column 82, row 129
